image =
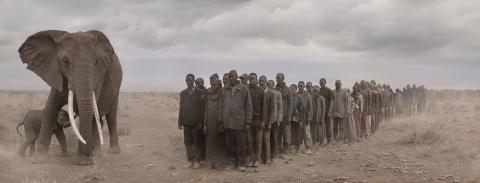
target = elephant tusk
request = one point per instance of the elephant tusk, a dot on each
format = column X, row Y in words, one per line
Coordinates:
column 72, row 119
column 97, row 118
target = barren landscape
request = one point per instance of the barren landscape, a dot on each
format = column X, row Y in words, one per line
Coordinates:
column 439, row 145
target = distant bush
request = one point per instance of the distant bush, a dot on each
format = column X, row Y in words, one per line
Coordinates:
column 428, row 135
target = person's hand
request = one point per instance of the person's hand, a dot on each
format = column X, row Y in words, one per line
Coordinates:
column 205, row 132
column 180, row 127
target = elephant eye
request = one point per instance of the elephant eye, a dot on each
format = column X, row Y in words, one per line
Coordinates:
column 66, row 60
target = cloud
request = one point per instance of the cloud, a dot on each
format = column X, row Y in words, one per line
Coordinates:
column 384, row 31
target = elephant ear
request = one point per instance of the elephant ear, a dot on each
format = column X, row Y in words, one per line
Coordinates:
column 114, row 71
column 39, row 52
column 102, row 41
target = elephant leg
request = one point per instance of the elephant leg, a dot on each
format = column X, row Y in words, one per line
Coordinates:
column 112, row 129
column 32, row 148
column 85, row 156
column 59, row 133
column 23, row 148
column 53, row 105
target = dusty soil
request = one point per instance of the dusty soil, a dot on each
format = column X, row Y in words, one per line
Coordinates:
column 441, row 145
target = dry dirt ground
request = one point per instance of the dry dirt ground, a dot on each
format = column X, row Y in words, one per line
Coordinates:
column 441, row 145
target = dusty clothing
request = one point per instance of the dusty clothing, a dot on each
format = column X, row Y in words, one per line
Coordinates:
column 287, row 101
column 358, row 105
column 306, row 119
column 191, row 141
column 270, row 115
column 284, row 134
column 236, row 107
column 350, row 132
column 189, row 108
column 339, row 106
column 297, row 120
column 298, row 108
column 279, row 105
column 189, row 117
column 200, row 94
column 317, row 126
column 270, row 107
column 398, row 104
column 236, row 146
column 254, row 139
column 257, row 95
column 327, row 94
column 215, row 140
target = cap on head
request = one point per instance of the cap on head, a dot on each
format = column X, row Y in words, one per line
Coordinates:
column 244, row 76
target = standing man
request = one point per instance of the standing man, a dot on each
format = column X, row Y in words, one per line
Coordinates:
column 187, row 120
column 339, row 111
column 262, row 81
column 327, row 93
column 200, row 93
column 307, row 114
column 284, row 134
column 275, row 142
column 236, row 117
column 270, row 116
column 244, row 79
column 318, row 118
column 226, row 81
column 358, row 112
column 255, row 131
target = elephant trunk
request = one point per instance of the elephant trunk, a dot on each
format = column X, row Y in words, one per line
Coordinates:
column 85, row 110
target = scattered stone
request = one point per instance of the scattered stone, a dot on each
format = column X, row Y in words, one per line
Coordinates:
column 172, row 167
column 150, row 165
column 310, row 164
column 418, row 172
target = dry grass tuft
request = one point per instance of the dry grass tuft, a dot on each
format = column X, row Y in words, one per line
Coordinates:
column 427, row 135
column 124, row 131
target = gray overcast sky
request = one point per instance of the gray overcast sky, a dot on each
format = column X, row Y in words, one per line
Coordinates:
column 431, row 42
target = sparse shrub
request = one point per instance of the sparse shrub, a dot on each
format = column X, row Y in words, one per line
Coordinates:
column 428, row 135
column 124, row 131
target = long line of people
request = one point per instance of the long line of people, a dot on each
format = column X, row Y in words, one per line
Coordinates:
column 251, row 120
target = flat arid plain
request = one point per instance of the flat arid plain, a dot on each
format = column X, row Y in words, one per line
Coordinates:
column 440, row 145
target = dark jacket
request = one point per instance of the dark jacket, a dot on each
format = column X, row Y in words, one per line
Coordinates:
column 236, row 107
column 257, row 95
column 318, row 107
column 287, row 100
column 298, row 108
column 327, row 93
column 306, row 101
column 189, row 108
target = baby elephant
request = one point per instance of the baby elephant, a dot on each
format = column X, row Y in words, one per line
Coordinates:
column 32, row 123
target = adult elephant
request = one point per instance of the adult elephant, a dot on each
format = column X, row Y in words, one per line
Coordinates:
column 81, row 69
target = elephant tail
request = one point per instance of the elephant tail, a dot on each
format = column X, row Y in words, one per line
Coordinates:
column 20, row 124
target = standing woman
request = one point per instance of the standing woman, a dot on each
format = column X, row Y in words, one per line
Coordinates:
column 216, row 154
